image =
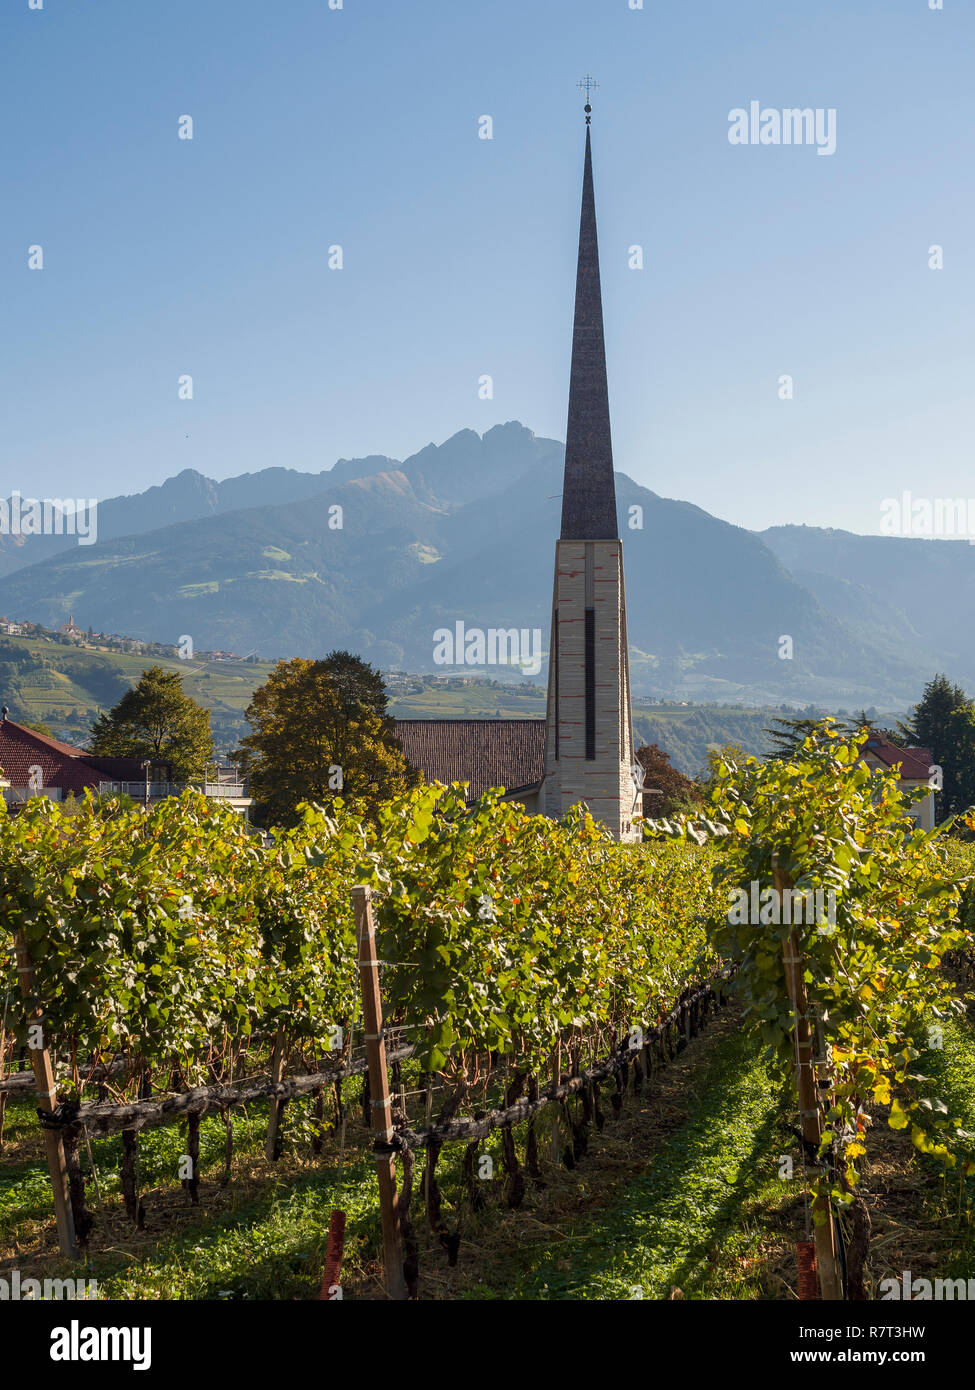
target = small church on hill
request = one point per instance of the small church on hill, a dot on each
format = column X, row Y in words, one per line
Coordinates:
column 583, row 749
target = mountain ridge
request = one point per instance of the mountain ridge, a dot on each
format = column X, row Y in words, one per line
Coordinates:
column 466, row 530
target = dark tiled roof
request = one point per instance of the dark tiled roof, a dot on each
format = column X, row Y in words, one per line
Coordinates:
column 915, row 763
column 507, row 753
column 61, row 765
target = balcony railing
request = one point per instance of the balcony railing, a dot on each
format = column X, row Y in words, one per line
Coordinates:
column 158, row 790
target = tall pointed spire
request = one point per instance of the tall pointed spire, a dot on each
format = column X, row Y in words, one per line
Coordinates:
column 589, row 731
column 589, row 491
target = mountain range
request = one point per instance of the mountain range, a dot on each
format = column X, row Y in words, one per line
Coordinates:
column 376, row 554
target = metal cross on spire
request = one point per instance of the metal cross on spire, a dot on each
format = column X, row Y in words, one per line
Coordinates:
column 588, row 85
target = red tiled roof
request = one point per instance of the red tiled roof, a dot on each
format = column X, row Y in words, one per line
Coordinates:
column 61, row 765
column 915, row 763
column 507, row 753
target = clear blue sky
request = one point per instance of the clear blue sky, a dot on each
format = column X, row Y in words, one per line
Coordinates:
column 359, row 127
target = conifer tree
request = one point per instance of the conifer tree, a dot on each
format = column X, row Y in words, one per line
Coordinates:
column 788, row 735
column 943, row 720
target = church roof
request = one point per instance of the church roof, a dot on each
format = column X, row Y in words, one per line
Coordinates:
column 507, row 753
column 589, row 490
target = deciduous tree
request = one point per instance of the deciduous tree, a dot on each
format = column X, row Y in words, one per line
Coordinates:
column 676, row 792
column 157, row 720
column 320, row 730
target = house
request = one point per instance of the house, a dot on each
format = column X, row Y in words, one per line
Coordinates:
column 11, row 629
column 915, row 765
column 35, row 765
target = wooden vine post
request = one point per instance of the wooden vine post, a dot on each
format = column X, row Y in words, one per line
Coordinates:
column 810, row 1115
column 3, row 1067
column 47, row 1097
column 380, row 1099
column 556, row 1118
column 278, row 1057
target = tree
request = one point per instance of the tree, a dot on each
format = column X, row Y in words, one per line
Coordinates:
column 930, row 715
column 678, row 793
column 357, row 685
column 320, row 730
column 865, row 722
column 944, row 721
column 789, row 736
column 157, row 720
column 960, row 785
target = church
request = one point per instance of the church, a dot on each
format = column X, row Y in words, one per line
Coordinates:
column 583, row 749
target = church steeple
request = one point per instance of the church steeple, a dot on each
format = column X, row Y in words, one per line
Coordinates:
column 589, row 491
column 589, row 738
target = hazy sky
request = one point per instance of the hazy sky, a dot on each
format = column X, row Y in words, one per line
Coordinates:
column 358, row 127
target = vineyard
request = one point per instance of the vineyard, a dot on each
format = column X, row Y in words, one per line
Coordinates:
column 485, row 991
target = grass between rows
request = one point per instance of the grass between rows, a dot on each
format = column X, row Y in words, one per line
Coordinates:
column 685, row 1226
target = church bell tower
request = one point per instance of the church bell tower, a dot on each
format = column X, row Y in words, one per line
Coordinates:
column 589, row 737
